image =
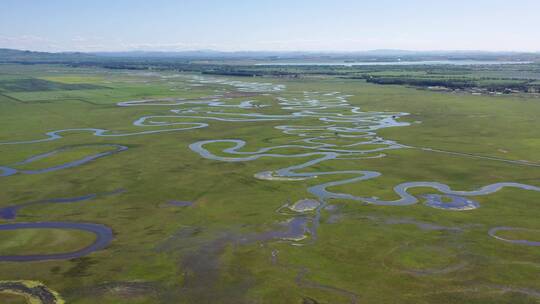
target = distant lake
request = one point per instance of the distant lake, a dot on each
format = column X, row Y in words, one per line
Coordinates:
column 427, row 62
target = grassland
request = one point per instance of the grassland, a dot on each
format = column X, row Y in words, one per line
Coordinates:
column 363, row 253
column 50, row 241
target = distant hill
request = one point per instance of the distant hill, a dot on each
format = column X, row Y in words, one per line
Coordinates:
column 209, row 54
column 13, row 56
column 10, row 55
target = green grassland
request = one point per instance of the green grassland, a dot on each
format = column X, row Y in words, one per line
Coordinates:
column 49, row 240
column 533, row 235
column 12, row 299
column 167, row 254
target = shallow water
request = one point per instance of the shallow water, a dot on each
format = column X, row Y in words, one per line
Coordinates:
column 180, row 203
column 455, row 202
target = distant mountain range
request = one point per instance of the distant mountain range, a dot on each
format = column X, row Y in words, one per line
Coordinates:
column 299, row 54
column 10, row 55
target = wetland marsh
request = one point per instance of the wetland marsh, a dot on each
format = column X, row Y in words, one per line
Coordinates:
column 163, row 186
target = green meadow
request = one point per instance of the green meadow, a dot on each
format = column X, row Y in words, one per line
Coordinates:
column 362, row 253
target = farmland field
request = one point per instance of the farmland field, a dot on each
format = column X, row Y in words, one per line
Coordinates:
column 141, row 186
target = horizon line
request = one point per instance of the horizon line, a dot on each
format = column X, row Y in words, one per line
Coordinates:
column 279, row 51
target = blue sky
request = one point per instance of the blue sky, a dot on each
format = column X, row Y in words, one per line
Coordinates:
column 284, row 25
